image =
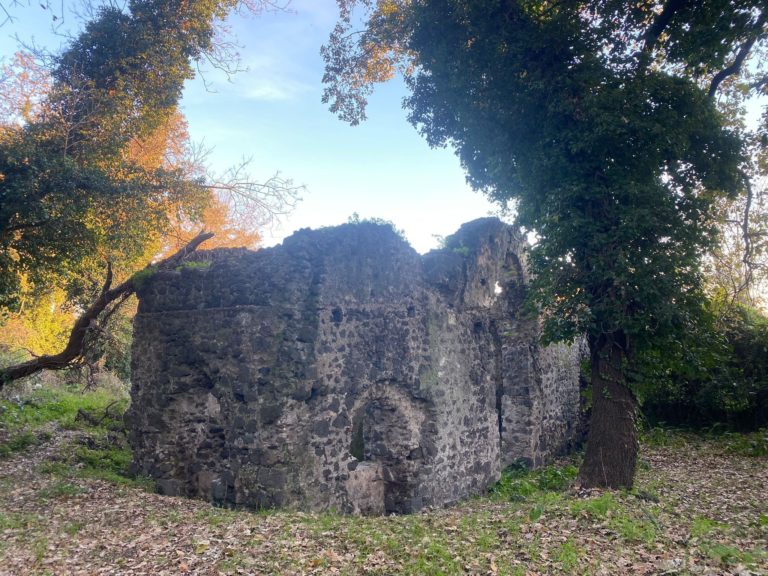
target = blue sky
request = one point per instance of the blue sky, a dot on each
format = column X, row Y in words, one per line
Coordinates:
column 272, row 114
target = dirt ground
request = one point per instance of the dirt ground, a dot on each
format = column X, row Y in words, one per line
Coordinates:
column 696, row 509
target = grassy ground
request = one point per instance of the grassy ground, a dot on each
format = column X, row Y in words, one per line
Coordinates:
column 700, row 507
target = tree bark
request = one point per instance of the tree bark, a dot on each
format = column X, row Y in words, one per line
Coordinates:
column 611, row 454
column 76, row 344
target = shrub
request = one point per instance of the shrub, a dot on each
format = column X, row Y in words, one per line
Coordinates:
column 716, row 376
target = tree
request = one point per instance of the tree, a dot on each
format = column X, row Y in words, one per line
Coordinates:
column 599, row 120
column 75, row 190
column 737, row 269
column 95, row 161
column 91, row 320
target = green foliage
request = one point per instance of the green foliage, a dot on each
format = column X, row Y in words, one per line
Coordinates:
column 59, row 406
column 61, row 489
column 633, row 529
column 355, row 219
column 702, row 526
column 103, row 453
column 598, row 507
column 568, row 556
column 141, row 277
column 25, row 423
column 717, row 374
column 107, row 463
column 462, row 251
column 754, row 444
column 536, row 512
column 17, row 443
column 607, row 507
column 556, row 479
column 617, row 252
column 595, row 119
column 518, row 483
column 659, row 436
column 729, row 555
column 72, row 195
column 200, row 265
column 72, row 528
column 17, row 521
column 115, row 351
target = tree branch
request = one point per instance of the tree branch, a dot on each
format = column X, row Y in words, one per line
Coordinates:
column 661, row 21
column 758, row 84
column 735, row 67
column 16, row 227
column 76, row 344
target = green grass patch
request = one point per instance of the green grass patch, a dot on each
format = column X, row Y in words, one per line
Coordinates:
column 702, row 526
column 17, row 443
column 518, row 483
column 536, row 512
column 633, row 530
column 753, row 444
column 433, row 557
column 568, row 555
column 215, row 517
column 55, row 468
column 107, row 461
column 663, row 437
column 60, row 406
column 72, row 528
column 729, row 555
column 597, row 507
column 620, row 519
column 99, row 414
column 39, row 548
column 22, row 423
column 110, row 464
column 61, row 489
column 18, row 521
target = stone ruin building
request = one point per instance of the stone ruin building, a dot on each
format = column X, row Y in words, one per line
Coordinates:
column 342, row 370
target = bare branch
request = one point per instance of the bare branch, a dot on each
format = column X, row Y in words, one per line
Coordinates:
column 252, row 203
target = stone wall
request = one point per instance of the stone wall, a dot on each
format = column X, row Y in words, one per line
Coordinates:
column 343, row 370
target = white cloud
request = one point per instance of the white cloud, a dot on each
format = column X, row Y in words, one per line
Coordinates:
column 275, row 88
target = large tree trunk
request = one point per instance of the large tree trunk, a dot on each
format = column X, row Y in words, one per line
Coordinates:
column 611, row 454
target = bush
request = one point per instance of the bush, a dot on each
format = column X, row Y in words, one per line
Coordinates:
column 716, row 376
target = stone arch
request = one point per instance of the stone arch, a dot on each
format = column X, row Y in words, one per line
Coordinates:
column 385, row 441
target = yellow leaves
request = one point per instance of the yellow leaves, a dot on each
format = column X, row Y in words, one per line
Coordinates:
column 23, row 86
column 166, row 146
column 388, row 8
column 541, row 10
column 41, row 327
column 379, row 65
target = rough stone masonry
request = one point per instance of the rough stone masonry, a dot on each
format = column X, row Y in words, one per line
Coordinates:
column 343, row 370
